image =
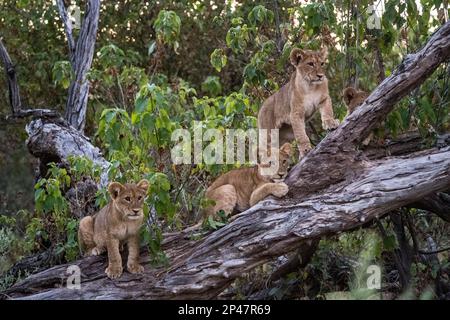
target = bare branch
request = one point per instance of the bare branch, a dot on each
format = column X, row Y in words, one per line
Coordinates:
column 13, row 86
column 68, row 29
column 84, row 51
column 270, row 229
column 53, row 141
column 434, row 251
column 35, row 113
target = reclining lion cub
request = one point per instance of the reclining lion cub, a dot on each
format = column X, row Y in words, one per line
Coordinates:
column 289, row 108
column 240, row 189
column 117, row 223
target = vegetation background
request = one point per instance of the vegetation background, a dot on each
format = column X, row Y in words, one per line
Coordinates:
column 159, row 66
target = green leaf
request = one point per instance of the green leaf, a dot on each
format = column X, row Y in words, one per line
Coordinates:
column 260, row 14
column 167, row 26
column 390, row 243
column 212, row 86
column 141, row 104
column 218, row 59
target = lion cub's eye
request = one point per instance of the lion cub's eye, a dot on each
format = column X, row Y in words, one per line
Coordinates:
column 139, row 198
column 127, row 199
column 311, row 64
column 321, row 64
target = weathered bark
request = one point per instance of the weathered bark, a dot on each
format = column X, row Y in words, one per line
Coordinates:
column 81, row 58
column 404, row 144
column 57, row 141
column 13, row 87
column 68, row 29
column 202, row 269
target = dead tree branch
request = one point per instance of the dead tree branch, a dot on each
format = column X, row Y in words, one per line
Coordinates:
column 81, row 62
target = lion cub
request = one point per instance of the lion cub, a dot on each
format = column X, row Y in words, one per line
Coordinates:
column 353, row 98
column 289, row 108
column 114, row 225
column 240, row 189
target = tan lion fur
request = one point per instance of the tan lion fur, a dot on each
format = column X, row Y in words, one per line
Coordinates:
column 114, row 225
column 289, row 108
column 240, row 189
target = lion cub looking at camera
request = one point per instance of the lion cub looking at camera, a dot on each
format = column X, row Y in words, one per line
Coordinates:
column 289, row 108
column 240, row 189
column 114, row 225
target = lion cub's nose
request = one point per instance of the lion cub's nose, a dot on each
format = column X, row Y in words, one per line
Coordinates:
column 136, row 211
column 320, row 76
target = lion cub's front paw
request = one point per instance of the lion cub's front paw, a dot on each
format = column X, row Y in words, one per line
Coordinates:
column 330, row 124
column 114, row 272
column 303, row 150
column 135, row 268
column 280, row 190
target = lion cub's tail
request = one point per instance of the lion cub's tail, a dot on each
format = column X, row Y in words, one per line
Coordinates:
column 86, row 234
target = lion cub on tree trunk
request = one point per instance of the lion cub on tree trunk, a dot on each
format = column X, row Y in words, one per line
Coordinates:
column 353, row 98
column 289, row 108
column 240, row 189
column 115, row 224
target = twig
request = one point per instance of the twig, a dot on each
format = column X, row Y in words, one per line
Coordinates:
column 397, row 257
column 277, row 30
column 38, row 113
column 14, row 93
column 434, row 251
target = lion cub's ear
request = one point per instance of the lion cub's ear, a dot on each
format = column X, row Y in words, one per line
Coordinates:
column 286, row 148
column 297, row 54
column 324, row 53
column 349, row 93
column 143, row 185
column 114, row 189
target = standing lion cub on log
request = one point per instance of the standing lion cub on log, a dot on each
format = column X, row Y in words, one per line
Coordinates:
column 289, row 108
column 117, row 223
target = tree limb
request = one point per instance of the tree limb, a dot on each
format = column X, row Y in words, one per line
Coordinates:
column 51, row 141
column 438, row 203
column 68, row 29
column 84, row 51
column 273, row 227
column 13, row 86
column 14, row 92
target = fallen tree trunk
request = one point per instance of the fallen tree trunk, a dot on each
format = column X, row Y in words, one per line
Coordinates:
column 201, row 270
column 333, row 189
